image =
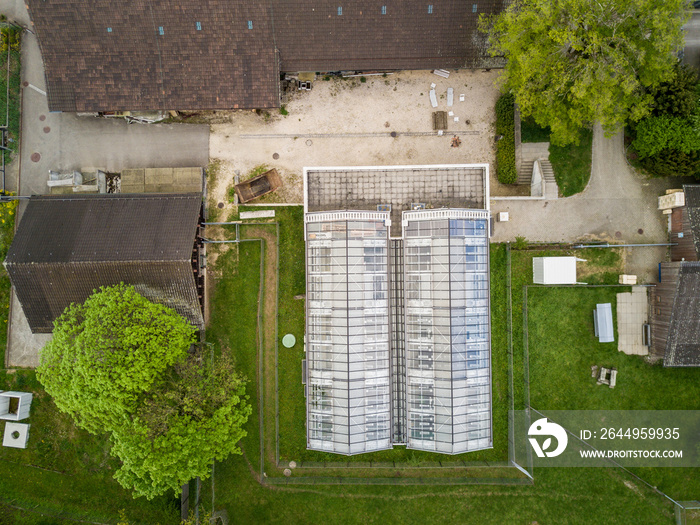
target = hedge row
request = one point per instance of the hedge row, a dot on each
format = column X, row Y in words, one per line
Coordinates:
column 505, row 148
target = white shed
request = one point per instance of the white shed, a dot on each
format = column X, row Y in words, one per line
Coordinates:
column 14, row 406
column 554, row 270
column 603, row 322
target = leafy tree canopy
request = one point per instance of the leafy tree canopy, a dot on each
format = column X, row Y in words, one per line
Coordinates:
column 573, row 62
column 679, row 95
column 194, row 417
column 122, row 365
column 666, row 132
column 108, row 351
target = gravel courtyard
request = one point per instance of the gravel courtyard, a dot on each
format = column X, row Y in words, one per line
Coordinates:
column 350, row 123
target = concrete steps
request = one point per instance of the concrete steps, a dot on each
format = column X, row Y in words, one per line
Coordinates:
column 551, row 190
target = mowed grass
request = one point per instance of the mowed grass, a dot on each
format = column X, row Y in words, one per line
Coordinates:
column 561, row 496
column 292, row 413
column 562, row 348
column 562, row 318
column 232, row 328
column 558, row 495
column 531, row 132
column 65, row 473
column 572, row 164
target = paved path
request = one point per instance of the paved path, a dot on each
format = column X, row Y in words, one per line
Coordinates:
column 64, row 141
column 615, row 205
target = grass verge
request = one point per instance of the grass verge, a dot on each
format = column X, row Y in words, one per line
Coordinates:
column 531, row 132
column 562, row 348
column 236, row 490
column 572, row 164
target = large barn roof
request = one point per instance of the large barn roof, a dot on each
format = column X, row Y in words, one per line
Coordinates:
column 683, row 342
column 146, row 55
column 66, row 247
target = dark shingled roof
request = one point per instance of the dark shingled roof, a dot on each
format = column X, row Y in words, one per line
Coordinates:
column 311, row 36
column 692, row 206
column 683, row 343
column 66, row 247
column 103, row 55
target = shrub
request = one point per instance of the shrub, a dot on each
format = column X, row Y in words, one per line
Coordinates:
column 673, row 163
column 505, row 148
column 283, row 110
column 655, row 134
column 678, row 96
column 520, row 243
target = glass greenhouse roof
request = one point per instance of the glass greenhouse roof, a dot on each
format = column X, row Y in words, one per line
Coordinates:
column 398, row 333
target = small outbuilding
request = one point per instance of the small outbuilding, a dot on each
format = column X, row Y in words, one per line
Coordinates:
column 603, row 322
column 554, row 270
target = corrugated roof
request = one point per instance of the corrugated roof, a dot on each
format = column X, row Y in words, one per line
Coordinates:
column 104, row 55
column 67, row 247
column 692, row 205
column 683, row 344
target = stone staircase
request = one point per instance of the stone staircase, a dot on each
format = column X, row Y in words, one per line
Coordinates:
column 529, row 153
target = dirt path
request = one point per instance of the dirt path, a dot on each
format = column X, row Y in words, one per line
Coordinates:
column 268, row 330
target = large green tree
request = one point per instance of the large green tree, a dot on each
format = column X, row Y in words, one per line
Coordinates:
column 122, row 365
column 574, row 62
column 193, row 417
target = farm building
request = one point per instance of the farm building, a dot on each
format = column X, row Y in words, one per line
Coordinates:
column 187, row 55
column 68, row 246
column 674, row 309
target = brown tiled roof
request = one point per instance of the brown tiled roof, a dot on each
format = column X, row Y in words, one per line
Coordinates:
column 106, row 55
column 103, row 55
column 66, row 247
column 312, row 36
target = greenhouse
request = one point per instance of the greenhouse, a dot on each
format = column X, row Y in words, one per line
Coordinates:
column 398, row 331
column 347, row 334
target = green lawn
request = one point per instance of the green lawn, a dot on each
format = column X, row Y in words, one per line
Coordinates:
column 291, row 392
column 234, row 302
column 236, row 489
column 559, row 318
column 562, row 349
column 572, row 164
column 531, row 132
column 66, row 473
column 561, row 496
column 234, row 307
column 7, row 225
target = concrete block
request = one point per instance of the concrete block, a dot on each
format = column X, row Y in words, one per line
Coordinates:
column 132, row 177
column 158, row 176
column 16, row 435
